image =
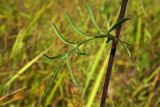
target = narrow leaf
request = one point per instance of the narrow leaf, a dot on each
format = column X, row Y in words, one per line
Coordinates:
column 60, row 36
column 92, row 18
column 126, row 48
column 114, row 37
column 51, row 59
column 124, row 44
column 50, row 84
column 85, row 41
column 73, row 77
column 78, row 51
column 108, row 40
column 74, row 26
column 117, row 24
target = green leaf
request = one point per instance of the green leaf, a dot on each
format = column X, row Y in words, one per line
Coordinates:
column 60, row 36
column 124, row 44
column 73, row 25
column 78, row 51
column 85, row 41
column 115, row 38
column 92, row 18
column 50, row 84
column 117, row 25
column 108, row 40
column 73, row 77
column 51, row 59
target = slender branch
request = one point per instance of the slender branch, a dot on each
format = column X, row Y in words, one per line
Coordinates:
column 112, row 54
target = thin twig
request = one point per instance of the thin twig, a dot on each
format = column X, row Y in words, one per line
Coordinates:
column 112, row 55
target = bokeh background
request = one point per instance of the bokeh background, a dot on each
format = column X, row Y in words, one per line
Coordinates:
column 26, row 34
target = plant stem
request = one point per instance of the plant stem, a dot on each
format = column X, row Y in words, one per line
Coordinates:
column 112, row 54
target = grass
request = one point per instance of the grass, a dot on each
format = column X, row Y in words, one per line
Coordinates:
column 26, row 33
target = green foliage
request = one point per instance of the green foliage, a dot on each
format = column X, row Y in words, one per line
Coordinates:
column 50, row 84
column 50, row 59
column 25, row 33
column 93, row 20
column 117, row 25
column 73, row 25
column 76, row 49
column 73, row 77
column 60, row 36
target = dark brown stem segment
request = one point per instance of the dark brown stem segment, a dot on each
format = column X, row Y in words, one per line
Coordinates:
column 112, row 54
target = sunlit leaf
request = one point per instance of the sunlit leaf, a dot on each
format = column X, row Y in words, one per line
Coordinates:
column 73, row 77
column 51, row 59
column 60, row 36
column 74, row 26
column 117, row 24
column 50, row 84
column 92, row 18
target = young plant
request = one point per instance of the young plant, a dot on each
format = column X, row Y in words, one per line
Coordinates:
column 64, row 58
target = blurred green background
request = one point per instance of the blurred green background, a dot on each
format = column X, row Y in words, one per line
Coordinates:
column 26, row 34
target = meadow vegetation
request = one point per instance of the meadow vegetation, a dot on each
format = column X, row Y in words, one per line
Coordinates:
column 26, row 34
